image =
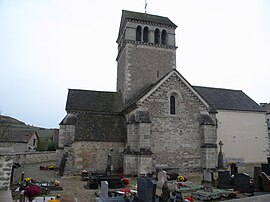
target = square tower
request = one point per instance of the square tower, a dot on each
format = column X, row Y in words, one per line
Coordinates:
column 146, row 52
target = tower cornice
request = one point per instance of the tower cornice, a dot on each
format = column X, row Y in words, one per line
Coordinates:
column 144, row 44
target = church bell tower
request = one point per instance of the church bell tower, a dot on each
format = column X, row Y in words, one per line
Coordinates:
column 146, row 52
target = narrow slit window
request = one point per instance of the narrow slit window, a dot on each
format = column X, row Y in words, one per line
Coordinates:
column 172, row 105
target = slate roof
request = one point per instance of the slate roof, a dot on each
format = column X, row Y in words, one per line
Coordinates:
column 94, row 101
column 228, row 99
column 146, row 18
column 21, row 136
column 94, row 127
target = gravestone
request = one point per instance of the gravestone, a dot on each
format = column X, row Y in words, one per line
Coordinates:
column 265, row 182
column 257, row 178
column 166, row 193
column 242, row 183
column 268, row 160
column 172, row 175
column 220, row 156
column 104, row 188
column 93, row 182
column 162, row 177
column 265, row 168
column 234, row 169
column 224, row 180
column 146, row 189
column 208, row 176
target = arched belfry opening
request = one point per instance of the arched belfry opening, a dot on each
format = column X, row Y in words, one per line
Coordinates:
column 145, row 34
column 164, row 37
column 139, row 33
column 157, row 36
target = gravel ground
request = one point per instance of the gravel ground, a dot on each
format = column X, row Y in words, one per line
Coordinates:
column 73, row 187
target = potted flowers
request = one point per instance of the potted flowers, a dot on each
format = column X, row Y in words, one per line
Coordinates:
column 32, row 192
column 125, row 181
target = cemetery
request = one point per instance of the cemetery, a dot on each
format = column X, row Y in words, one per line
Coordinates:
column 45, row 182
column 166, row 184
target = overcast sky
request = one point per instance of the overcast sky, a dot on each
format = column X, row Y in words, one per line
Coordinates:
column 49, row 46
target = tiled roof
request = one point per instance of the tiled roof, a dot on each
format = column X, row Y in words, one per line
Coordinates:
column 96, row 127
column 86, row 100
column 146, row 18
column 16, row 136
column 228, row 99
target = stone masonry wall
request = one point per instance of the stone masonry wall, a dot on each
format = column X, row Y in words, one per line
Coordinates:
column 92, row 156
column 140, row 66
column 175, row 139
column 35, row 157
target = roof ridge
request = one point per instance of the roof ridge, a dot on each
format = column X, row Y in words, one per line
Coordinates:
column 218, row 88
column 98, row 91
column 144, row 13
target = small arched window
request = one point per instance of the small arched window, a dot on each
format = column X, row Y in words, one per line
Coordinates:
column 172, row 104
column 164, row 37
column 157, row 36
column 145, row 34
column 139, row 33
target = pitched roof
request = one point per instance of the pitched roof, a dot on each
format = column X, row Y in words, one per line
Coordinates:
column 146, row 18
column 151, row 87
column 99, row 101
column 17, row 136
column 228, row 99
column 94, row 127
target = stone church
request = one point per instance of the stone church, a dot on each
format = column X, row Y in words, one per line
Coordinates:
column 155, row 119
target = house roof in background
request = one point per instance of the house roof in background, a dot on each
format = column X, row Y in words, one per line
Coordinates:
column 22, row 136
column 228, row 99
column 94, row 101
column 266, row 106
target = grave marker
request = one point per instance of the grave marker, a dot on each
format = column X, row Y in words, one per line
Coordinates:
column 257, row 178
column 146, row 189
column 224, row 180
column 104, row 189
column 162, row 177
column 242, row 183
column 266, row 168
column 208, row 176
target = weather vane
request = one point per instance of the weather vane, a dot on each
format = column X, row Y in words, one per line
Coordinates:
column 145, row 6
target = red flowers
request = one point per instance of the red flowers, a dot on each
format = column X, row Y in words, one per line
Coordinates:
column 125, row 181
column 32, row 191
column 125, row 190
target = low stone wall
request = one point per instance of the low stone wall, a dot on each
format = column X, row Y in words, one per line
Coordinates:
column 35, row 157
